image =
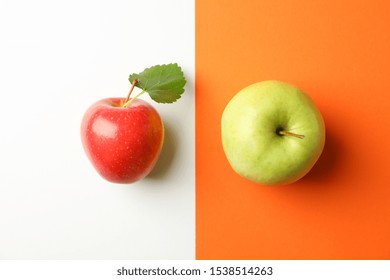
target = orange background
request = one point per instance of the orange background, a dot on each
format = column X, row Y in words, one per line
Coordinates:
column 339, row 53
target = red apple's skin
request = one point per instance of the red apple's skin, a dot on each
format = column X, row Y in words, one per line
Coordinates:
column 123, row 144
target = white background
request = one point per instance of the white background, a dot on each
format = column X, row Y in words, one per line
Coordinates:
column 56, row 59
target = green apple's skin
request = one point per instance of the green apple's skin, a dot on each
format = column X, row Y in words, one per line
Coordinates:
column 251, row 139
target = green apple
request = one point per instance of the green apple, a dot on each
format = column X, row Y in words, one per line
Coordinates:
column 272, row 133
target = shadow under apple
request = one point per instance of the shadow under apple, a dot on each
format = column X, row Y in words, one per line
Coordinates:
column 328, row 161
column 166, row 156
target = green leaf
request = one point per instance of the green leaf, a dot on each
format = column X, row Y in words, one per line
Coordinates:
column 164, row 83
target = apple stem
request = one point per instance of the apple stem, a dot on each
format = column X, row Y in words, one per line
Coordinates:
column 135, row 81
column 128, row 100
column 132, row 99
column 291, row 134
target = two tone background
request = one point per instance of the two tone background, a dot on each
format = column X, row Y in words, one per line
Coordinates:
column 57, row 58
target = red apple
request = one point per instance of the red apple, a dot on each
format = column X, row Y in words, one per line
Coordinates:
column 122, row 142
column 123, row 137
